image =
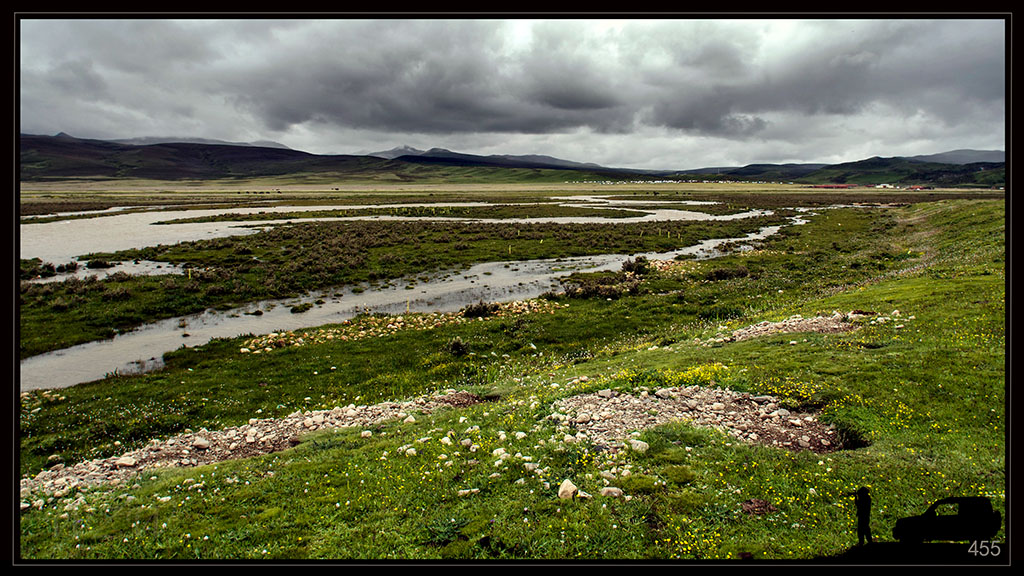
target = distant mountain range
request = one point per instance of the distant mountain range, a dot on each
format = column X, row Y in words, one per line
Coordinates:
column 64, row 156
column 148, row 140
column 435, row 155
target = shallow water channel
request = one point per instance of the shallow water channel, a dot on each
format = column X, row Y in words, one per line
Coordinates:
column 142, row 349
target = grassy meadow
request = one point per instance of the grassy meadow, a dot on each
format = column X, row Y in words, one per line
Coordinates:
column 920, row 399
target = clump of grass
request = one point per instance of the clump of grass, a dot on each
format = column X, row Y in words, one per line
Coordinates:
column 678, row 474
column 456, row 347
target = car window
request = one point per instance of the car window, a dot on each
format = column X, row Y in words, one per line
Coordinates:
column 948, row 509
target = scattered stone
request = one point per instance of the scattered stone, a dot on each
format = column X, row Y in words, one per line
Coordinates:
column 262, row 436
column 611, row 492
column 836, row 323
column 567, row 490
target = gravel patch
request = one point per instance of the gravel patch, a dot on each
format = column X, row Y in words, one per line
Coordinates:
column 608, row 418
column 257, row 437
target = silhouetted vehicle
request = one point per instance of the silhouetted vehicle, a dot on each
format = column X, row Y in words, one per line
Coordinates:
column 956, row 519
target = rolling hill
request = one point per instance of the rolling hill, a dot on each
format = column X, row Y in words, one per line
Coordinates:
column 906, row 171
column 67, row 157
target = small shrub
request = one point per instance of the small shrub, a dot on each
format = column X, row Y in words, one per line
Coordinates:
column 479, row 310
column 638, row 266
column 727, row 273
column 456, row 347
column 443, row 530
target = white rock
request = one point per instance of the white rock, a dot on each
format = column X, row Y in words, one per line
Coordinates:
column 638, row 445
column 567, row 490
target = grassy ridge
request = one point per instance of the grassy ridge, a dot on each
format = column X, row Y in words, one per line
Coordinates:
column 926, row 400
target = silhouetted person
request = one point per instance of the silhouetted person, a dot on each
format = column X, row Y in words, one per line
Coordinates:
column 862, row 498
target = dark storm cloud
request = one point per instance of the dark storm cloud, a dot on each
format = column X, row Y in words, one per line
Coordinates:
column 841, row 69
column 770, row 80
column 433, row 77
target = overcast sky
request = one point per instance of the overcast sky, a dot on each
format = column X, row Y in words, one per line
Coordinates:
column 659, row 94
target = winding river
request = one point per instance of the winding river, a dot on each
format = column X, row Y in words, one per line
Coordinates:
column 142, row 349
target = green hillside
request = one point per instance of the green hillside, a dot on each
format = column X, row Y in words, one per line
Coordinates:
column 907, row 172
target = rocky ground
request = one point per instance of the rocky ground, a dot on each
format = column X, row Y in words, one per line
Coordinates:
column 259, row 436
column 608, row 418
column 837, row 322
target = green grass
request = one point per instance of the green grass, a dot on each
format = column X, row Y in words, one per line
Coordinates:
column 926, row 402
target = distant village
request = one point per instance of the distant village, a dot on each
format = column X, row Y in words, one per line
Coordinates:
column 871, row 186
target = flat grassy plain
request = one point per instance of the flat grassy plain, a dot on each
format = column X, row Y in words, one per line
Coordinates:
column 920, row 401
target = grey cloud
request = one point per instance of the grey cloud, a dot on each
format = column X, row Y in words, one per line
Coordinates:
column 841, row 75
column 132, row 46
column 77, row 77
column 724, row 81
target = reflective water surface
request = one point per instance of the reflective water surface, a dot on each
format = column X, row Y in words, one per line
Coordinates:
column 141, row 349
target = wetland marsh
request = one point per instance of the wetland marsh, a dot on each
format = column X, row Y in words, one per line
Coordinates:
column 915, row 391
